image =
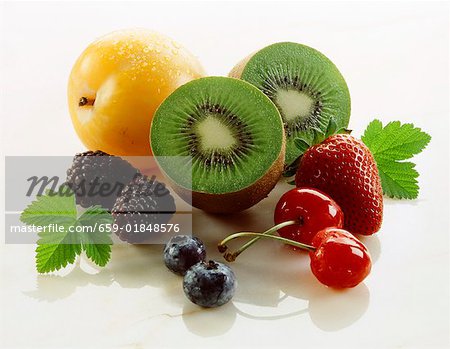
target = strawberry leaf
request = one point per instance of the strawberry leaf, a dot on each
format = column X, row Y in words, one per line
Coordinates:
column 59, row 243
column 390, row 145
column 398, row 179
column 302, row 145
column 96, row 241
column 331, row 129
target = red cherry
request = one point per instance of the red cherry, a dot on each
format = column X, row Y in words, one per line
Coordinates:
column 313, row 209
column 340, row 260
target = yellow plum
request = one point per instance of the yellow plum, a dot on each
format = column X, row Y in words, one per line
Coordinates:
column 117, row 84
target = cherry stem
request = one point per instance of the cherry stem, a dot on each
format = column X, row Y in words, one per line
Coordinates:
column 267, row 232
column 231, row 256
column 85, row 101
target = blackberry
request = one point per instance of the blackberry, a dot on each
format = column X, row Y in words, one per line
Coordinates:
column 140, row 207
column 209, row 284
column 98, row 178
column 182, row 252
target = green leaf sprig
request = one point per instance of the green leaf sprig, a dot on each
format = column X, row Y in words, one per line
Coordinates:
column 57, row 249
column 390, row 145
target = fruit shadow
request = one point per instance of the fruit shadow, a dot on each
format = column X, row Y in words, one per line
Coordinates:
column 136, row 267
column 274, row 280
column 130, row 267
column 391, row 202
column 261, row 293
column 268, row 275
column 266, row 282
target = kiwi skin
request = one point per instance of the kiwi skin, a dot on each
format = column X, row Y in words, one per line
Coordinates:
column 237, row 70
column 234, row 201
column 342, row 119
column 237, row 201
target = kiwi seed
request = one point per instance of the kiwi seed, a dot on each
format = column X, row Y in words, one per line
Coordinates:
column 224, row 157
column 306, row 87
column 232, row 135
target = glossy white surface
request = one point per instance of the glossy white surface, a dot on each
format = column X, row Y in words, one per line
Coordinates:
column 395, row 60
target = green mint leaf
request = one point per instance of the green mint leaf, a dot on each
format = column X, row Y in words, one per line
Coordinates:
column 390, row 145
column 97, row 241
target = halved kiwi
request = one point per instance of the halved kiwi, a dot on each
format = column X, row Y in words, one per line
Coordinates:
column 232, row 136
column 305, row 85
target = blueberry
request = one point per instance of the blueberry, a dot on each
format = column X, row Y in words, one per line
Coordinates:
column 209, row 284
column 182, row 252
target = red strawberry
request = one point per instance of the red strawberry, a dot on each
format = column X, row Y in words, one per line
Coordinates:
column 344, row 168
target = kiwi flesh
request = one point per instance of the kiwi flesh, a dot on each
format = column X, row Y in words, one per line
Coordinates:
column 306, row 87
column 227, row 135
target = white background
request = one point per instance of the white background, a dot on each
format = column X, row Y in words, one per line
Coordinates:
column 395, row 58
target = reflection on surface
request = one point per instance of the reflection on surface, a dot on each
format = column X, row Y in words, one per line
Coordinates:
column 270, row 276
column 332, row 310
column 329, row 309
column 51, row 288
column 373, row 244
column 209, row 322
